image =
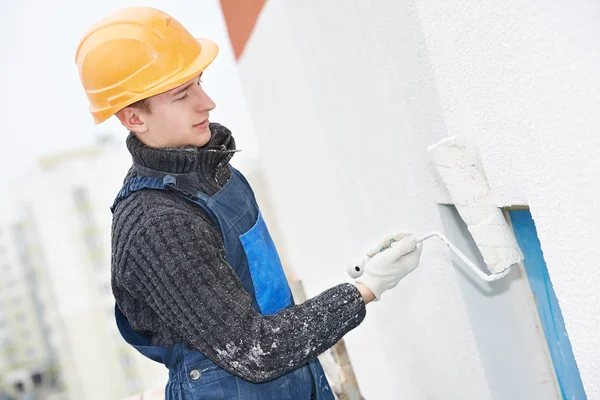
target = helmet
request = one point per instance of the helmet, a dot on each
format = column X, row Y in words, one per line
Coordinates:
column 135, row 53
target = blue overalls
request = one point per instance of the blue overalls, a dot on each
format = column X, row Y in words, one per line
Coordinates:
column 251, row 253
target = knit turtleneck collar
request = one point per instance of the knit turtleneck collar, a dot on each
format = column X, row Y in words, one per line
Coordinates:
column 197, row 168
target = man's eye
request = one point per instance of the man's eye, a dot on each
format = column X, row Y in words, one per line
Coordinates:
column 182, row 97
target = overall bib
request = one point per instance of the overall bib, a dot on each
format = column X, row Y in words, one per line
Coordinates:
column 251, row 253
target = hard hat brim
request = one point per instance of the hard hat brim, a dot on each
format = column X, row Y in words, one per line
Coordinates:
column 207, row 55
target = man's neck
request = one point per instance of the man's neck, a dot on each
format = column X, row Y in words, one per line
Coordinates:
column 203, row 168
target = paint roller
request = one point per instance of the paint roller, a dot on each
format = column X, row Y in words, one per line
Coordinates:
column 462, row 173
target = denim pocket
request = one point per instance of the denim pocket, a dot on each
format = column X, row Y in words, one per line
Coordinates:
column 270, row 285
column 205, row 372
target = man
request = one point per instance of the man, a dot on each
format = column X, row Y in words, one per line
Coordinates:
column 197, row 280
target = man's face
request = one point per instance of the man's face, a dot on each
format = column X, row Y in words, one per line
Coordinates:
column 178, row 117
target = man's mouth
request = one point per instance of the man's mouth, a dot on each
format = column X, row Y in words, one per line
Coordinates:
column 203, row 124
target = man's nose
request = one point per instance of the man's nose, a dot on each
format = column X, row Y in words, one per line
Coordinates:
column 204, row 102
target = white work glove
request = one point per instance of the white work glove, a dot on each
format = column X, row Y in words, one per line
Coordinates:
column 356, row 269
column 387, row 263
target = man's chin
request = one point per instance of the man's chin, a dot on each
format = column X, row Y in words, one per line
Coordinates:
column 202, row 138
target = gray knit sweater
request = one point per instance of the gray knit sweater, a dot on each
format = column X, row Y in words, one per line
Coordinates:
column 170, row 277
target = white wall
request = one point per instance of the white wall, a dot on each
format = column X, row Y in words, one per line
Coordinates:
column 346, row 100
column 342, row 138
column 505, row 323
column 521, row 79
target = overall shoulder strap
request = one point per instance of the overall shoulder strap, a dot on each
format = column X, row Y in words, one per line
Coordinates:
column 167, row 183
column 141, row 182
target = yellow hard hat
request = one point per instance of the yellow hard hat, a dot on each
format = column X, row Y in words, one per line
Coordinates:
column 135, row 53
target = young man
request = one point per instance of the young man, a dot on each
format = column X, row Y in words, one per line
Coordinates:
column 196, row 277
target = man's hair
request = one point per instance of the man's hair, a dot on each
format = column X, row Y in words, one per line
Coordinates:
column 142, row 105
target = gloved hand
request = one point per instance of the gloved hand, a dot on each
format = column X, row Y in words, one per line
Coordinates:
column 356, row 269
column 385, row 269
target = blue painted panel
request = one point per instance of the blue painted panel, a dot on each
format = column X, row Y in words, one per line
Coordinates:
column 553, row 324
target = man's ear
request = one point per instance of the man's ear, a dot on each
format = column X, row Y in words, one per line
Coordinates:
column 130, row 118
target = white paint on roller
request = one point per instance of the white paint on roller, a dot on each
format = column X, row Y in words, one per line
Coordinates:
column 464, row 177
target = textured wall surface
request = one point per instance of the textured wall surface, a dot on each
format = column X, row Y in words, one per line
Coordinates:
column 344, row 112
column 521, row 79
column 346, row 100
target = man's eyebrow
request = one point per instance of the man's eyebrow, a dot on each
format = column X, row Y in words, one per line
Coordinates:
column 182, row 89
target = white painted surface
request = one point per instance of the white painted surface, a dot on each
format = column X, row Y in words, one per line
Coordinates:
column 340, row 142
column 346, row 100
column 505, row 324
column 521, row 79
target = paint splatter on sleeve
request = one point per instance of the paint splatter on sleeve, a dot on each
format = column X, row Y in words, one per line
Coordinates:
column 173, row 281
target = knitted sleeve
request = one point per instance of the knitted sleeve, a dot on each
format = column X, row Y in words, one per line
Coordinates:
column 176, row 265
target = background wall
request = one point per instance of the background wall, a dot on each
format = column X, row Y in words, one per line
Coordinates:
column 521, row 80
column 346, row 100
